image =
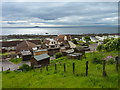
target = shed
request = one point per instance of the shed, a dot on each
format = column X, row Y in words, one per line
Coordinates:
column 53, row 51
column 40, row 60
column 26, row 55
column 75, row 56
column 70, row 51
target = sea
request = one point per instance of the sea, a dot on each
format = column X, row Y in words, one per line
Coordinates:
column 59, row 30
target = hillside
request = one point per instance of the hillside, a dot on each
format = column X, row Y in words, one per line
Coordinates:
column 61, row 79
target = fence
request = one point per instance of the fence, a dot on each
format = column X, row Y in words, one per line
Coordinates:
column 73, row 67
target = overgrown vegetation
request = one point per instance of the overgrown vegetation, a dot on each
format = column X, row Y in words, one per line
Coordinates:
column 87, row 39
column 61, row 79
column 4, row 53
column 25, row 67
column 58, row 55
column 16, row 60
column 110, row 45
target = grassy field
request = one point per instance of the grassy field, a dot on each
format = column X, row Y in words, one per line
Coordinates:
column 61, row 79
column 4, row 53
column 16, row 60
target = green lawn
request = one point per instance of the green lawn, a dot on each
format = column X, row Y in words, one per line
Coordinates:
column 61, row 79
column 4, row 53
column 16, row 60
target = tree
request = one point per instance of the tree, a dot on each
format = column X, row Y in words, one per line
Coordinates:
column 106, row 40
column 74, row 41
column 87, row 39
column 113, row 44
column 100, row 47
column 25, row 67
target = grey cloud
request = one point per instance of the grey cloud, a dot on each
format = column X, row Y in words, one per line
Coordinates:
column 52, row 13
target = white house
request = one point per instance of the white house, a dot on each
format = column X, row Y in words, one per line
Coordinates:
column 93, row 39
column 83, row 39
column 51, row 43
column 76, row 38
column 110, row 36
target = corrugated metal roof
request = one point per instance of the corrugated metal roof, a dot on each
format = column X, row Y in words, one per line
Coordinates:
column 41, row 57
column 26, row 53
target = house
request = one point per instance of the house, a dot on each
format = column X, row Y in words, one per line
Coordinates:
column 93, row 39
column 26, row 55
column 110, row 36
column 83, row 39
column 40, row 60
column 50, row 43
column 25, row 46
column 71, row 44
column 116, row 36
column 61, row 38
column 99, row 38
column 76, row 39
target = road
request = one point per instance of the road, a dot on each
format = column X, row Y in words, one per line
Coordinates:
column 6, row 64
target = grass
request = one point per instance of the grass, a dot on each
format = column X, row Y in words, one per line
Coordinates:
column 16, row 60
column 61, row 79
column 91, row 42
column 4, row 53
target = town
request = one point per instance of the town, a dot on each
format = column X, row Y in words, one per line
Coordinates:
column 37, row 52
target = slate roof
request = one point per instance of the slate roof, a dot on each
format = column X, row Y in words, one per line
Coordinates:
column 41, row 57
column 25, row 45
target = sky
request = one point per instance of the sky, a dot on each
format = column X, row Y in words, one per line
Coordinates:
column 54, row 14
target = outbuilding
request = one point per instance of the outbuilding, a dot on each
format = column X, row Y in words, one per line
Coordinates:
column 40, row 60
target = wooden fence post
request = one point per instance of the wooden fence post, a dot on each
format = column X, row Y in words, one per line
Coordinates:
column 73, row 68
column 104, row 72
column 47, row 68
column 116, row 59
column 55, row 67
column 34, row 69
column 86, row 68
column 64, row 67
column 2, row 68
column 41, row 69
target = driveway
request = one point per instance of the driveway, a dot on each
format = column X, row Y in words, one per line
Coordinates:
column 6, row 64
column 93, row 47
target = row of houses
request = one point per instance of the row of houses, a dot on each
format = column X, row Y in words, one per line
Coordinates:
column 39, row 54
column 99, row 38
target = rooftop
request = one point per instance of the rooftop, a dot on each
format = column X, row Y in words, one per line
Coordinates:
column 41, row 57
column 40, row 50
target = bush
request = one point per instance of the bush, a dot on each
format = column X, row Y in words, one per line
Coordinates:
column 111, row 45
column 87, row 39
column 106, row 40
column 25, row 67
column 74, row 41
column 96, row 60
column 100, row 47
column 111, row 61
column 58, row 55
column 85, row 44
